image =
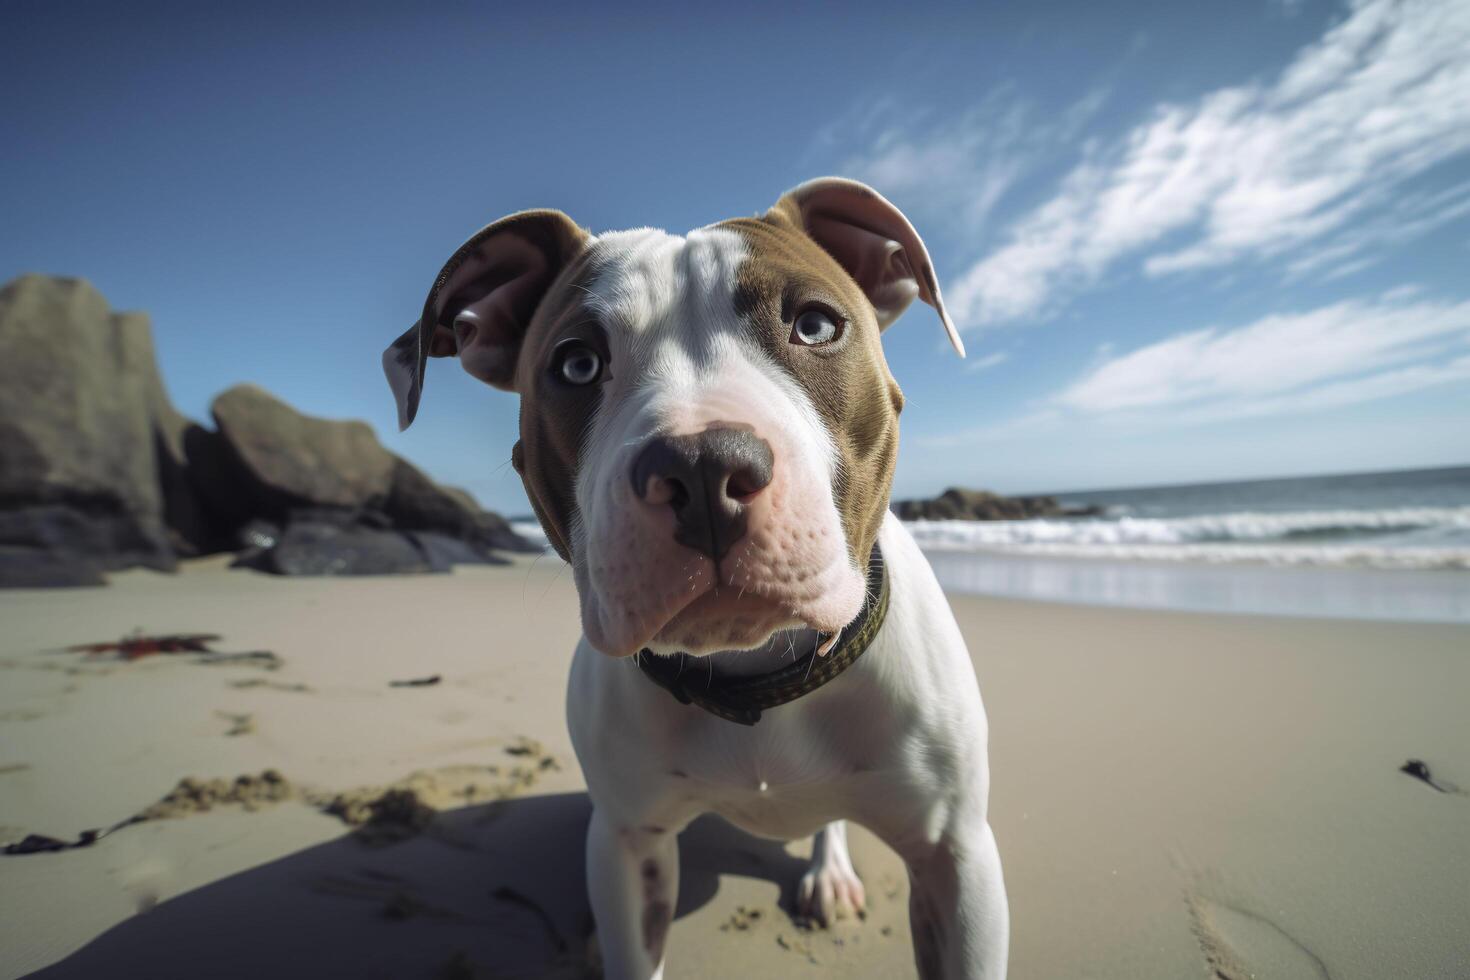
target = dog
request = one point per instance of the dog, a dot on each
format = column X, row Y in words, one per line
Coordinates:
column 708, row 432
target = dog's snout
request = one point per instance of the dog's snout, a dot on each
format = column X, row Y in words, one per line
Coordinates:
column 708, row 478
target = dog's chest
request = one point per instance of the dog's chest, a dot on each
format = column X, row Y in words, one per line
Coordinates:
column 783, row 778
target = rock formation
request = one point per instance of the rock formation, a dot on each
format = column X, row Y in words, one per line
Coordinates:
column 84, row 424
column 99, row 472
column 958, row 504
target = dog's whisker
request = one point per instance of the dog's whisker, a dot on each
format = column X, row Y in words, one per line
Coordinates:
column 547, row 591
column 531, row 568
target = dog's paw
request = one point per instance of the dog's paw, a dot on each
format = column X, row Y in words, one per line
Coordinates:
column 829, row 892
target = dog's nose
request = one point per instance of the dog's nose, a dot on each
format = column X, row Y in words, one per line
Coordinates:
column 708, row 478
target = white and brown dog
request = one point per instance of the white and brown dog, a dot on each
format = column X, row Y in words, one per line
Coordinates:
column 708, row 435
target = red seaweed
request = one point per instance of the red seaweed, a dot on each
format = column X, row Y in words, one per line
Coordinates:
column 135, row 646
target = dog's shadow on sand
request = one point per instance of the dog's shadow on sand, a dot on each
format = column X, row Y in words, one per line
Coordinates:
column 496, row 890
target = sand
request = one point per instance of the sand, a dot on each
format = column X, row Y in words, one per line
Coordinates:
column 1175, row 795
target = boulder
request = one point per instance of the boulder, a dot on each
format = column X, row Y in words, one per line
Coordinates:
column 90, row 447
column 323, row 547
column 336, row 542
column 38, row 568
column 269, row 459
column 959, row 504
column 443, row 552
column 495, row 531
column 310, row 496
column 416, row 503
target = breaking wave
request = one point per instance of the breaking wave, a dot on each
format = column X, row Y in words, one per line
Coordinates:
column 1416, row 537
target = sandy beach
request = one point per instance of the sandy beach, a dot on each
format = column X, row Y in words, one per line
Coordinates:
column 1176, row 795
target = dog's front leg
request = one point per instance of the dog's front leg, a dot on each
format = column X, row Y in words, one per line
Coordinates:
column 633, row 883
column 957, row 905
column 830, row 889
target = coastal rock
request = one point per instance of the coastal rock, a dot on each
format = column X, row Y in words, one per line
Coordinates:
column 88, row 471
column 320, row 547
column 959, row 504
column 416, row 503
column 491, row 529
column 99, row 472
column 443, row 552
column 37, row 568
column 273, row 459
column 319, row 497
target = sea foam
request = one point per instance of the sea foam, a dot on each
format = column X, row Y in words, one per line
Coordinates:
column 1417, row 537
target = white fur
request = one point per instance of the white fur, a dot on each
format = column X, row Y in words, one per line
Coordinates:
column 896, row 743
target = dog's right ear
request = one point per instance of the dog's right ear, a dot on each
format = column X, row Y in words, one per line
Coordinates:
column 482, row 302
column 873, row 241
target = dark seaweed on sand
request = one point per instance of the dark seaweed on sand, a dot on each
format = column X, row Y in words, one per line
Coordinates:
column 137, row 645
column 1419, row 769
column 429, row 681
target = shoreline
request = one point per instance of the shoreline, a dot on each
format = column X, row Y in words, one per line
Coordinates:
column 1243, row 589
column 1173, row 792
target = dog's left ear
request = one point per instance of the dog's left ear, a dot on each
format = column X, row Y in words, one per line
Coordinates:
column 482, row 302
column 873, row 241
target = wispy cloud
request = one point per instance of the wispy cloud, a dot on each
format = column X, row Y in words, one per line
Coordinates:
column 985, row 362
column 1409, row 217
column 959, row 168
column 1256, row 170
column 1383, row 384
column 1347, row 352
column 1288, row 8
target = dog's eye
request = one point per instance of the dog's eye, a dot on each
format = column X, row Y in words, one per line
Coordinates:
column 577, row 364
column 815, row 327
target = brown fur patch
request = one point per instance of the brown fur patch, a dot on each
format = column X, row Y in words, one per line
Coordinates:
column 555, row 416
column 848, row 382
column 657, row 916
column 657, row 913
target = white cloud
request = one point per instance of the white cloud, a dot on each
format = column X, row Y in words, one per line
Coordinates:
column 1409, row 217
column 1255, row 170
column 973, row 159
column 975, row 365
column 1384, row 384
column 1288, row 8
column 1348, row 352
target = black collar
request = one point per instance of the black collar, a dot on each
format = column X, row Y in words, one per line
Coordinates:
column 742, row 699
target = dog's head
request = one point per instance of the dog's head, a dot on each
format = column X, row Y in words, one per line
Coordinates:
column 708, row 424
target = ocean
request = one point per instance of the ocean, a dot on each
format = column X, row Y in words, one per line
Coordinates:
column 1390, row 546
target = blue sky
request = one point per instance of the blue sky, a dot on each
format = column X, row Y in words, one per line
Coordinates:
column 1184, row 242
